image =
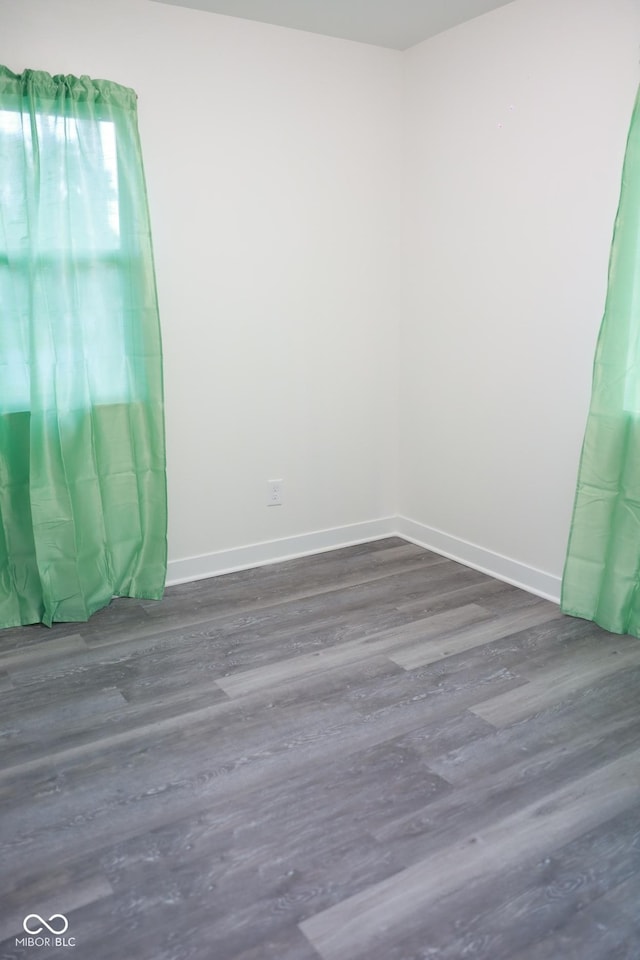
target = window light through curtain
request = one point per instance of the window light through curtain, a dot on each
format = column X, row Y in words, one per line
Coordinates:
column 82, row 457
column 602, row 570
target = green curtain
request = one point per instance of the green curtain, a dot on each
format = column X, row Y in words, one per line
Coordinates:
column 602, row 571
column 83, row 513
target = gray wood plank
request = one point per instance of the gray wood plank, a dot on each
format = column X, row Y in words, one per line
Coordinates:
column 552, row 684
column 597, row 933
column 625, row 895
column 468, row 636
column 47, row 650
column 420, row 631
column 49, row 894
column 524, row 903
column 215, row 773
column 350, row 928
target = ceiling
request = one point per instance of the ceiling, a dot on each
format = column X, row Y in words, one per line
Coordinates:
column 387, row 23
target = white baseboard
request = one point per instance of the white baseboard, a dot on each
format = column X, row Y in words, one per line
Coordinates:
column 471, row 555
column 274, row 551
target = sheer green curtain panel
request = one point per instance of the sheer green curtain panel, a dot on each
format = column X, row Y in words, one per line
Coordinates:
column 602, row 571
column 83, row 514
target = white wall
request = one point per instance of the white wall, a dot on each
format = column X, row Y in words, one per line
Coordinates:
column 517, row 124
column 313, row 200
column 271, row 158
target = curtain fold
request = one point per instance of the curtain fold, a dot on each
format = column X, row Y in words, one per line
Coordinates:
column 601, row 579
column 83, row 514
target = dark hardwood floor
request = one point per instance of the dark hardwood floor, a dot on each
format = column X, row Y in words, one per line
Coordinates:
column 372, row 753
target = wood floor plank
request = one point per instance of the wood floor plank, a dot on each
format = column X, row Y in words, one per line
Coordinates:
column 309, row 577
column 561, row 731
column 484, row 800
column 554, row 683
column 527, row 900
column 212, row 618
column 310, row 748
column 48, row 894
column 598, row 933
column 350, row 928
column 419, row 631
column 625, row 896
column 465, row 637
column 47, row 650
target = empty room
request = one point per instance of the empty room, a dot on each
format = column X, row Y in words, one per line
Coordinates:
column 319, row 488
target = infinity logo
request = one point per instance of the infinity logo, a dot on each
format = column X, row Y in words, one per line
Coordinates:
column 38, row 919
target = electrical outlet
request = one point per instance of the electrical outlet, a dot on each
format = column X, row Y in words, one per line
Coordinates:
column 274, row 493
